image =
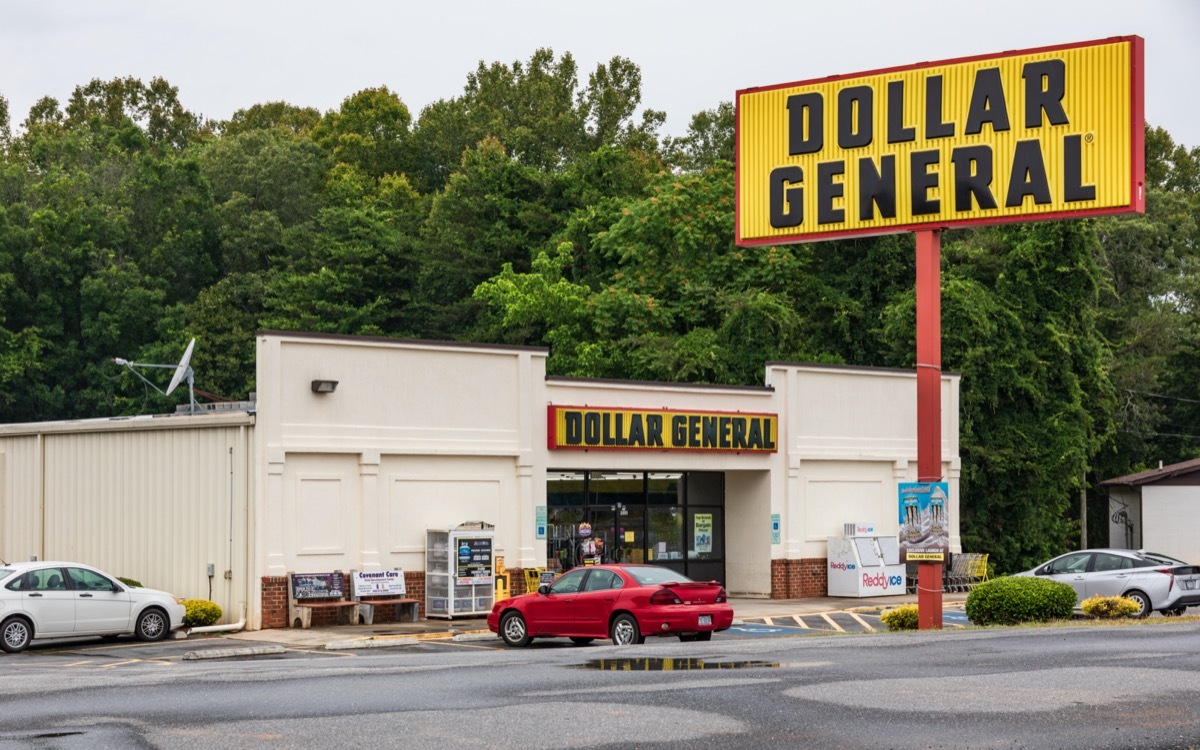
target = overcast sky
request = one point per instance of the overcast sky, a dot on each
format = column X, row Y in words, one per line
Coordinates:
column 225, row 55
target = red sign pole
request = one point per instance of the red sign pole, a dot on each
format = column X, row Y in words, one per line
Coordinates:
column 929, row 406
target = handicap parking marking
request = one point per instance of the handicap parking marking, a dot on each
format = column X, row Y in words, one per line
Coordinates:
column 751, row 630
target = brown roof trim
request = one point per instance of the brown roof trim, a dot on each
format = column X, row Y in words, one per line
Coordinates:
column 406, row 342
column 660, row 384
column 1156, row 475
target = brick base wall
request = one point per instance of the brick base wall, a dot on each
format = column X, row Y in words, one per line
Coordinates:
column 275, row 602
column 799, row 579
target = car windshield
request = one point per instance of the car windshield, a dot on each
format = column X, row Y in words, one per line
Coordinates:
column 650, row 575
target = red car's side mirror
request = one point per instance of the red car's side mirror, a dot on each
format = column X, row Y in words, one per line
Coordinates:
column 544, row 589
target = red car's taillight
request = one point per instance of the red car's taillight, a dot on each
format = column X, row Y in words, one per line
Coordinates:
column 722, row 596
column 665, row 596
column 1170, row 572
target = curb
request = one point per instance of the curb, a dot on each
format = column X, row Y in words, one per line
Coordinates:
column 387, row 641
column 225, row 653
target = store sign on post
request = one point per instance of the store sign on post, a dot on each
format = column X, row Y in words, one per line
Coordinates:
column 1049, row 133
column 924, row 526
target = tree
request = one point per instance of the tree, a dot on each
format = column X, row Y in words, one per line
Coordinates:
column 710, row 137
column 493, row 211
column 369, row 132
column 298, row 121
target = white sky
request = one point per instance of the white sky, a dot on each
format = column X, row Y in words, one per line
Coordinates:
column 224, row 55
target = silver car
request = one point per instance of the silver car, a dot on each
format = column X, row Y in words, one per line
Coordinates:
column 65, row 600
column 1158, row 583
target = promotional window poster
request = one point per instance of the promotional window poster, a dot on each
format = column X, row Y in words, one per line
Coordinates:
column 924, row 527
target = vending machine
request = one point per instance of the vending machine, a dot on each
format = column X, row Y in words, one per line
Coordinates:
column 864, row 562
column 459, row 570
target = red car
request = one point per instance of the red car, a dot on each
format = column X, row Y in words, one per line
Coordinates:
column 623, row 602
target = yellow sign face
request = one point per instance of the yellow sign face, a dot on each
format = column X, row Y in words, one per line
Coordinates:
column 1048, row 133
column 591, row 428
column 926, row 556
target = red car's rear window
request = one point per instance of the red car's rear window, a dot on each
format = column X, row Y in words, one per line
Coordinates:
column 649, row 575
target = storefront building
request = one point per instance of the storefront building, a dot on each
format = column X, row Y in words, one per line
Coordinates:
column 742, row 484
column 356, row 447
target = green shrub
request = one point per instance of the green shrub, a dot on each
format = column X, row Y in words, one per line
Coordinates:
column 901, row 618
column 200, row 612
column 1109, row 607
column 130, row 582
column 1011, row 600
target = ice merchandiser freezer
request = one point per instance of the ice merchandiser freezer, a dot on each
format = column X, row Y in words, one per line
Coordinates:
column 865, row 563
column 459, row 570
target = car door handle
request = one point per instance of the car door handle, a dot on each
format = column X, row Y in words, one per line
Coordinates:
column 89, row 596
column 33, row 595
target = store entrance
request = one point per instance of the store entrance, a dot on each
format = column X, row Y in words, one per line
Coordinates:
column 673, row 519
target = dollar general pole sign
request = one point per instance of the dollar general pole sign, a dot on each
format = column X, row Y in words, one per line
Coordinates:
column 1046, row 133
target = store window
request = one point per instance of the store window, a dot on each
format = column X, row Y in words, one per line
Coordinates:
column 673, row 519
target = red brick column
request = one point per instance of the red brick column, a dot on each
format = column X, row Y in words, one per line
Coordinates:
column 799, row 579
column 274, row 601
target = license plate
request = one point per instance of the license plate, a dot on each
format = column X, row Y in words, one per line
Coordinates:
column 1189, row 584
column 706, row 619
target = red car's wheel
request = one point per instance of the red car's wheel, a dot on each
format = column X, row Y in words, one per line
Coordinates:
column 625, row 632
column 513, row 630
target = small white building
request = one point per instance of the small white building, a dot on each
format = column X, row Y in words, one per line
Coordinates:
column 357, row 446
column 1156, row 510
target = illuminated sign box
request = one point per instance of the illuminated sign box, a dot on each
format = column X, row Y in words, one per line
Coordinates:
column 589, row 428
column 1048, row 133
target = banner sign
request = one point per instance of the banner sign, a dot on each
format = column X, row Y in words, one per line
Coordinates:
column 924, row 526
column 474, row 561
column 1048, row 133
column 318, row 585
column 592, row 428
column 379, row 583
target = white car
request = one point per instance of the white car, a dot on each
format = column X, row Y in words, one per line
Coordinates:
column 1156, row 582
column 65, row 600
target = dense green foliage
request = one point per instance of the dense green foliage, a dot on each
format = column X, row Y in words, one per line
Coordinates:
column 200, row 613
column 541, row 206
column 1109, row 607
column 1012, row 600
column 902, row 618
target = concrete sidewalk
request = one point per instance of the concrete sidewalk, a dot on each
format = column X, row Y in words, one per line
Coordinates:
column 367, row 636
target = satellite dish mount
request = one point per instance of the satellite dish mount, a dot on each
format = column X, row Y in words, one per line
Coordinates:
column 183, row 371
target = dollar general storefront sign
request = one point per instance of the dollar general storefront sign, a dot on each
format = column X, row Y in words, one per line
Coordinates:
column 1055, row 132
column 661, row 429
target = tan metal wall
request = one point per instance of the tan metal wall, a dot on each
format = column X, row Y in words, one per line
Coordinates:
column 155, row 500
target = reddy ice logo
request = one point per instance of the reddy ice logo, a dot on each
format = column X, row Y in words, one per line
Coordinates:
column 881, row 581
column 841, row 566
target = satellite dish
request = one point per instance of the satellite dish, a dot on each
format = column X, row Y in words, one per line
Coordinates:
column 182, row 370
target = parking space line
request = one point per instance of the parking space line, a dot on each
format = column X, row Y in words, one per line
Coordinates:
column 79, row 663
column 861, row 621
column 800, row 622
column 833, row 624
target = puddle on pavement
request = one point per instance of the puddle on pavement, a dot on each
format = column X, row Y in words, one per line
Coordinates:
column 670, row 665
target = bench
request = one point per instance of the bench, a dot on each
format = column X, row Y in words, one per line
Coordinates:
column 404, row 607
column 310, row 591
